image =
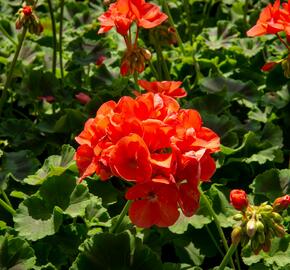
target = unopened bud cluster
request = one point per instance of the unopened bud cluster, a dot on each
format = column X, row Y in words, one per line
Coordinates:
column 27, row 18
column 134, row 60
column 258, row 225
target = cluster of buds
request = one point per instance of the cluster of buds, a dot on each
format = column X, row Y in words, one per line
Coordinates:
column 134, row 60
column 258, row 225
column 27, row 18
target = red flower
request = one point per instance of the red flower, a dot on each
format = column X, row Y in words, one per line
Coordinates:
column 130, row 159
column 83, row 98
column 239, row 199
column 124, row 12
column 154, row 203
column 164, row 150
column 169, row 88
column 269, row 21
column 281, row 203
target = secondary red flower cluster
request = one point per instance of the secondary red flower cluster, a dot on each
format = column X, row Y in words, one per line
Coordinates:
column 122, row 15
column 272, row 20
column 154, row 144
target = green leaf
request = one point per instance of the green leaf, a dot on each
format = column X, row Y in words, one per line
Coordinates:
column 17, row 165
column 53, row 165
column 188, row 253
column 116, row 252
column 221, row 205
column 15, row 253
column 71, row 121
column 41, row 214
column 272, row 183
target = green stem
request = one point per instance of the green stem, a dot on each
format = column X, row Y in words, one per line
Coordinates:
column 188, row 15
column 214, row 241
column 60, row 41
column 54, row 40
column 135, row 75
column 10, row 73
column 7, row 207
column 283, row 42
column 170, row 19
column 124, row 212
column 161, row 59
column 228, row 257
column 218, row 225
column 4, row 32
column 153, row 70
column 5, row 197
column 237, row 259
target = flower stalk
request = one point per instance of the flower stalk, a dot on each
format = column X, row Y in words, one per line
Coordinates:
column 218, row 225
column 7, row 207
column 124, row 212
column 228, row 256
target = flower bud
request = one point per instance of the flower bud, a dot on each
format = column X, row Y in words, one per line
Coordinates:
column 239, row 199
column 238, row 217
column 261, row 237
column 267, row 245
column 251, row 227
column 260, row 226
column 281, row 203
column 277, row 218
column 27, row 10
column 279, row 230
column 236, row 235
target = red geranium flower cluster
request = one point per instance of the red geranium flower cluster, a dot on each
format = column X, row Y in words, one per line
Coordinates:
column 272, row 20
column 157, row 146
column 122, row 14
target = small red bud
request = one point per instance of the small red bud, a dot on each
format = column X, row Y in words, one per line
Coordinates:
column 281, row 203
column 27, row 10
column 100, row 60
column 239, row 199
column 83, row 98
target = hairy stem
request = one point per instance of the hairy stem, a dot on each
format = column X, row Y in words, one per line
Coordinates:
column 218, row 225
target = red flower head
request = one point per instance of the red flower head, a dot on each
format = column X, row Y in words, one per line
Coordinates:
column 239, row 199
column 154, row 203
column 161, row 149
column 124, row 12
column 169, row 88
column 269, row 21
column 281, row 203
